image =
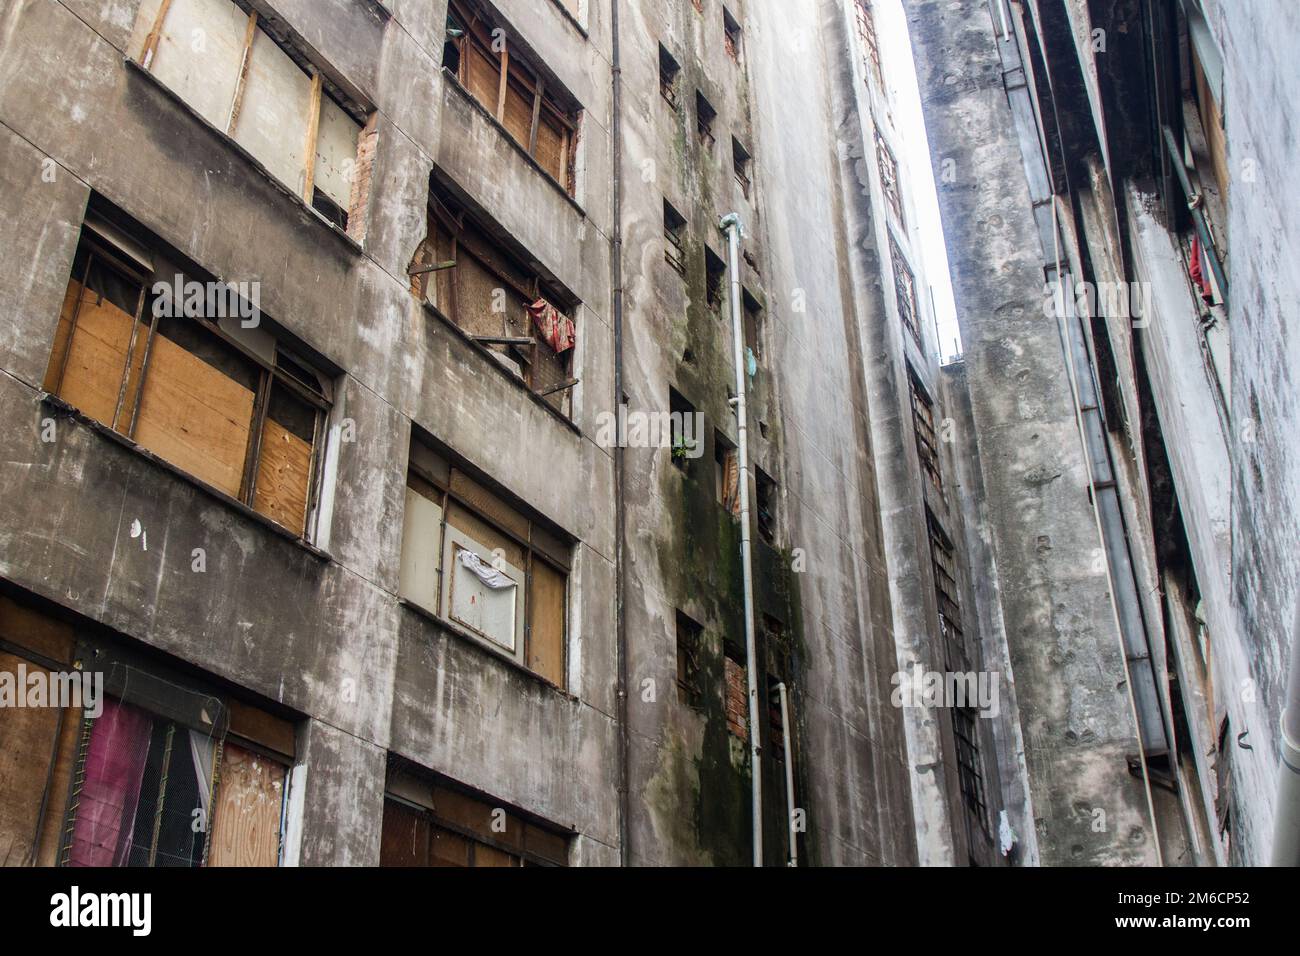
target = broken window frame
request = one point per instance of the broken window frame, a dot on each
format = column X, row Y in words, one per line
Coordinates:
column 866, row 22
column 131, row 388
column 523, row 346
column 753, row 324
column 731, row 34
column 705, row 117
column 675, row 238
column 726, row 474
column 670, row 73
column 322, row 89
column 441, row 479
column 905, row 291
column 766, row 491
column 715, row 281
column 947, row 592
column 741, row 162
column 889, row 185
column 970, row 764
column 927, row 445
column 514, row 66
column 689, row 637
column 679, row 409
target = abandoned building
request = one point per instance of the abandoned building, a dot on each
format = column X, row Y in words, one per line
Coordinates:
column 513, row 432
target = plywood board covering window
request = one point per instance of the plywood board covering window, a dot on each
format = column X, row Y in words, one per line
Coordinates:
column 217, row 57
column 188, row 390
column 516, row 601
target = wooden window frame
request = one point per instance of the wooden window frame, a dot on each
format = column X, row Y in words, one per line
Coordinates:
column 742, row 163
column 870, row 40
column 670, row 74
column 889, row 184
column 689, row 644
column 514, row 67
column 905, row 291
column 705, row 117
column 731, row 34
column 675, row 226
column 269, row 377
column 927, row 445
column 443, row 492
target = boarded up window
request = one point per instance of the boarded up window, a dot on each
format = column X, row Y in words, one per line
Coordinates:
column 195, row 392
column 427, row 823
column 248, row 809
column 736, row 691
column 497, row 73
column 485, row 566
column 219, row 59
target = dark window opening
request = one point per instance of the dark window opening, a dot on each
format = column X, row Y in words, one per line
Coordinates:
column 943, row 561
column 766, row 493
column 705, row 114
column 690, row 672
column 927, row 444
column 669, row 73
column 741, row 162
column 888, row 166
column 715, row 274
column 731, row 34
column 675, row 234
column 336, row 214
column 685, row 440
column 969, row 764
column 753, row 325
column 905, row 292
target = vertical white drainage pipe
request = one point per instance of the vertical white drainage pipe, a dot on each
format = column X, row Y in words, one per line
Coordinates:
column 730, row 224
column 789, row 775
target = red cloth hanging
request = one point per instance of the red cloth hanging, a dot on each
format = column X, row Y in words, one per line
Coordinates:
column 1198, row 272
column 556, row 329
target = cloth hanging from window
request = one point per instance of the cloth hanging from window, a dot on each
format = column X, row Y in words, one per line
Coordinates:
column 496, row 580
column 557, row 329
column 1197, row 272
column 731, row 483
column 105, row 821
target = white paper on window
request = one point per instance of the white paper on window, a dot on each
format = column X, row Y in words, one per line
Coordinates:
column 421, row 550
column 272, row 121
column 495, row 613
column 199, row 52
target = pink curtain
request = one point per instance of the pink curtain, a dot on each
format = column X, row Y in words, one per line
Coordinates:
column 105, row 814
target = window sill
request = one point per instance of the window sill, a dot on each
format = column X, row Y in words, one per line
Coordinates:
column 483, row 350
column 303, row 207
column 555, row 184
column 69, row 411
column 443, row 624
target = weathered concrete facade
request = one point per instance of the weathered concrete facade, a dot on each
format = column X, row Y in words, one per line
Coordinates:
column 1115, row 216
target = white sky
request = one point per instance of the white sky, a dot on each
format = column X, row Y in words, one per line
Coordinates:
column 900, row 73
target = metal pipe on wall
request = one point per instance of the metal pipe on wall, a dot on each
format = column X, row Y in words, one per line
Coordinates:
column 789, row 775
column 730, row 224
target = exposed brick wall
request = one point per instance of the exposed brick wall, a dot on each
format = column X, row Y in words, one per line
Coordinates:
column 735, row 699
column 360, row 198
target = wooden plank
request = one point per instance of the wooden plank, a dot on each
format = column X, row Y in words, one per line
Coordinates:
column 546, row 615
column 502, row 82
column 447, row 848
column 29, row 628
column 96, row 362
column 237, row 104
column 490, row 506
column 155, row 34
column 52, row 829
column 482, row 77
column 246, row 810
column 404, row 837
column 313, row 133
column 195, row 417
column 253, row 723
column 283, row 477
column 27, row 736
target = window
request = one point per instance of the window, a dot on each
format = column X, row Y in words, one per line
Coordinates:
column 730, row 34
column 943, row 561
column 736, row 691
column 726, row 474
column 927, row 445
column 705, row 114
column 740, row 162
column 241, row 74
column 495, row 296
column 185, row 380
column 690, row 670
column 428, row 822
column 867, row 34
column 542, row 119
column 766, row 493
column 669, row 73
column 483, row 565
column 905, row 292
column 685, row 435
column 889, row 178
column 969, row 764
column 675, row 235
column 753, row 324
column 715, row 279
column 165, row 774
